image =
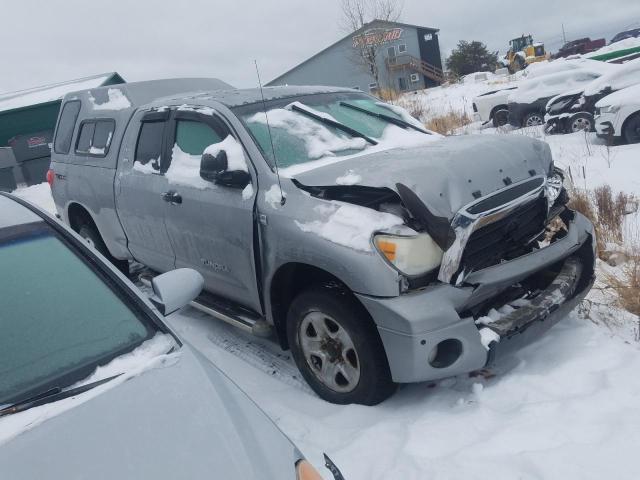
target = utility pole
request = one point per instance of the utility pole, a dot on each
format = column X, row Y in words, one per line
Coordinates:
column 564, row 35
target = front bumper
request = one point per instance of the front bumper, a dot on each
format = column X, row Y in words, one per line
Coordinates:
column 411, row 326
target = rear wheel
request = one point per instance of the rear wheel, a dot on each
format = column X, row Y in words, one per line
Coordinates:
column 533, row 119
column 500, row 118
column 91, row 236
column 337, row 348
column 581, row 122
column 632, row 129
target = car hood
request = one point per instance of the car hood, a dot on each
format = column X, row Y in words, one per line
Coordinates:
column 183, row 420
column 446, row 174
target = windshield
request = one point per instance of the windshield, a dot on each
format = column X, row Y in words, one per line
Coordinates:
column 302, row 132
column 58, row 319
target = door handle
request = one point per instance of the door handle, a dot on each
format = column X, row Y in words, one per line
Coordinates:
column 174, row 198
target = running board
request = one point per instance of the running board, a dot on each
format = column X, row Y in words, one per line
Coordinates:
column 236, row 316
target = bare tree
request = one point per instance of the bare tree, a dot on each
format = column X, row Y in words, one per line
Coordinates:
column 368, row 45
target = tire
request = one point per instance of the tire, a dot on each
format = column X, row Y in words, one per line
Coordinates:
column 92, row 237
column 581, row 122
column 631, row 132
column 533, row 119
column 325, row 323
column 500, row 118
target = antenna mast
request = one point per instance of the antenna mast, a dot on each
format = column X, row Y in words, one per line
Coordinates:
column 273, row 150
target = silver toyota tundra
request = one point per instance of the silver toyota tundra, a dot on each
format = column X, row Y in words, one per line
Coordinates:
column 376, row 251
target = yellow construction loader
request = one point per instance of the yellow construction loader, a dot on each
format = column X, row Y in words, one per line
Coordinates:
column 523, row 51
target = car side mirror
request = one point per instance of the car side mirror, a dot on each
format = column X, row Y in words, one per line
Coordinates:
column 211, row 166
column 175, row 289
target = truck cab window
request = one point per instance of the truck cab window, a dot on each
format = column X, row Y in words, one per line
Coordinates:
column 149, row 148
column 95, row 136
column 194, row 137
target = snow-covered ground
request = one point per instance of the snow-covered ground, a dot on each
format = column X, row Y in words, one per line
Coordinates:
column 565, row 407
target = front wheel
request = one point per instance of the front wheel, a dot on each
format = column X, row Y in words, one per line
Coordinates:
column 500, row 118
column 581, row 122
column 632, row 129
column 337, row 347
column 533, row 119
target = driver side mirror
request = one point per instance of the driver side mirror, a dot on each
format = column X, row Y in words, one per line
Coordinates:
column 211, row 166
column 175, row 289
column 214, row 168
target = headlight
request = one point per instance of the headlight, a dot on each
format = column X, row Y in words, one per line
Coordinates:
column 305, row 471
column 555, row 184
column 610, row 109
column 411, row 255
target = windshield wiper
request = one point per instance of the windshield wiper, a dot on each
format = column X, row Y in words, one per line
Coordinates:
column 386, row 118
column 334, row 123
column 52, row 395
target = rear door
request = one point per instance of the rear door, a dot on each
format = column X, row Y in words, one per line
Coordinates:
column 211, row 227
column 139, row 185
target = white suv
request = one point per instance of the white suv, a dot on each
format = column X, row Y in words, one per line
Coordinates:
column 618, row 115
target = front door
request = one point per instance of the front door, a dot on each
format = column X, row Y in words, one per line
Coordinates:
column 139, row 185
column 212, row 228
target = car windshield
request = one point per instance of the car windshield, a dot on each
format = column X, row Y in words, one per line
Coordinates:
column 59, row 319
column 302, row 131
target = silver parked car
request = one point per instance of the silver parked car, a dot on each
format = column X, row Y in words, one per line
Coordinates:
column 93, row 384
column 370, row 247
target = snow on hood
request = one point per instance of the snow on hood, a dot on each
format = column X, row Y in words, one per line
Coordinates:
column 625, row 97
column 624, row 76
column 444, row 174
column 552, row 85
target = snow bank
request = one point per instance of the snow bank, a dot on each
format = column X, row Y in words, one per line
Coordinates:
column 351, row 225
column 117, row 101
column 39, row 195
column 151, row 354
column 621, row 45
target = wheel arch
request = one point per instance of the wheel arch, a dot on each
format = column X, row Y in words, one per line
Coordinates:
column 623, row 127
column 288, row 281
column 78, row 215
column 496, row 108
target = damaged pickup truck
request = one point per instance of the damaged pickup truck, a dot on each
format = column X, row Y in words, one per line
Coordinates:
column 376, row 251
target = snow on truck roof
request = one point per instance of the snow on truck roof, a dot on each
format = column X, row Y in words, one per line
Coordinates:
column 52, row 92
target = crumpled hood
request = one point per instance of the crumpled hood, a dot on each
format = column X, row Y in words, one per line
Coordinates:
column 185, row 420
column 444, row 174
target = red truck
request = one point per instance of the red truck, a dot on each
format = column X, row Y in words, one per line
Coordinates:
column 580, row 47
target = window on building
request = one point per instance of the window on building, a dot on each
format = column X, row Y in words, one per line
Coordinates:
column 149, row 147
column 373, row 86
column 428, row 37
column 402, row 48
column 66, row 125
column 95, row 137
column 402, row 83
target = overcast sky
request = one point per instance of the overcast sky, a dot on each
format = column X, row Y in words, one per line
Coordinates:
column 54, row 40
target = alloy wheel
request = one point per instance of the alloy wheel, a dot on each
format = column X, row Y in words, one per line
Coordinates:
column 329, row 352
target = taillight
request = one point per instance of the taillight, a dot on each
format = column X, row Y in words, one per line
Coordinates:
column 50, row 177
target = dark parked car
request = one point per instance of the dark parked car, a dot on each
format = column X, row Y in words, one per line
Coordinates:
column 633, row 33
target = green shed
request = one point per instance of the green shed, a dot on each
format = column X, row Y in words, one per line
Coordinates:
column 28, row 118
